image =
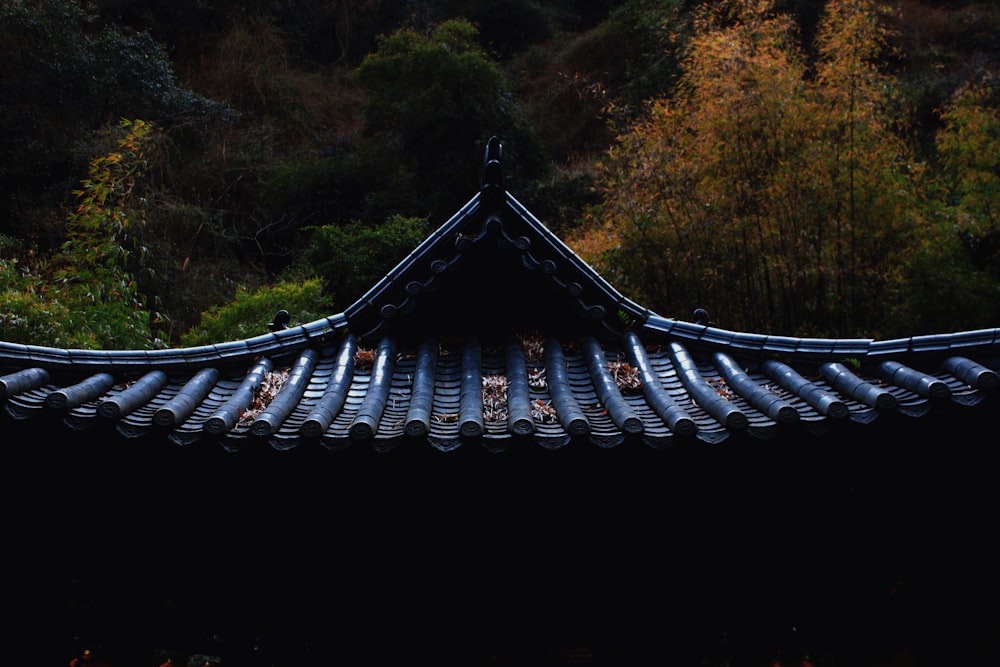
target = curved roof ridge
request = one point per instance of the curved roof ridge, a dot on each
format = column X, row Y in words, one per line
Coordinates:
column 978, row 340
column 454, row 225
column 228, row 353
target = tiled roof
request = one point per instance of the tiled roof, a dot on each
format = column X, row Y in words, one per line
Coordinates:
column 494, row 332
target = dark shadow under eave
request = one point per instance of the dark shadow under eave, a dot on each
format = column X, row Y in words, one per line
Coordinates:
column 418, row 552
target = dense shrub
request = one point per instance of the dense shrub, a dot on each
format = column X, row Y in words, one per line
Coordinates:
column 353, row 257
column 433, row 101
column 250, row 312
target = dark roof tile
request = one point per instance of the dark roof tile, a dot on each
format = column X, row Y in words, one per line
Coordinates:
column 12, row 352
column 288, row 397
column 747, row 342
column 932, row 343
column 783, row 346
column 184, row 358
column 971, row 372
column 846, row 381
column 88, row 389
column 717, row 337
column 913, row 380
column 48, row 356
column 819, row 348
column 182, row 403
column 22, row 381
column 889, row 348
column 847, row 347
column 760, row 396
column 133, row 396
column 238, row 351
column 821, row 398
column 227, row 415
column 983, row 339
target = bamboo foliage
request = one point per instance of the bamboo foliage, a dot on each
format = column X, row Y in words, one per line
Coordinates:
column 766, row 176
column 969, row 151
column 87, row 296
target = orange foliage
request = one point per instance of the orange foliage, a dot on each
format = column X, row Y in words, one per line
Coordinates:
column 769, row 188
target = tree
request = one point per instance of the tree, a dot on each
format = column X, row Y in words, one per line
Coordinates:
column 767, row 177
column 969, row 154
column 353, row 257
column 87, row 293
column 433, row 101
column 955, row 275
column 58, row 56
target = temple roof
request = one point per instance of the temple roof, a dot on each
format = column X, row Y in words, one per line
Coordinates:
column 493, row 332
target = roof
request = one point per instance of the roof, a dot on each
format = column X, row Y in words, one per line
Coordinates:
column 493, row 332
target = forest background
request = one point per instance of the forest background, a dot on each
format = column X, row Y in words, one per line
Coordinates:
column 174, row 172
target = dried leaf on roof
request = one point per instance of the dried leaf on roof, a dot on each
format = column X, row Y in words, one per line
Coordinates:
column 533, row 345
column 364, row 359
column 495, row 398
column 543, row 412
column 626, row 376
column 722, row 388
column 537, row 379
column 269, row 387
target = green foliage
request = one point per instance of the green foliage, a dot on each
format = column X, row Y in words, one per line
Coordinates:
column 86, row 297
column 433, row 101
column 353, row 257
column 942, row 287
column 602, row 77
column 412, row 77
column 106, row 308
column 250, row 312
column 336, row 188
column 955, row 278
column 66, row 75
column 29, row 314
column 430, row 103
column 651, row 36
column 59, row 52
column 562, row 198
column 100, row 224
column 969, row 154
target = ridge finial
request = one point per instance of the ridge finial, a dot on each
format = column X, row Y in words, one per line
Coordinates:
column 492, row 185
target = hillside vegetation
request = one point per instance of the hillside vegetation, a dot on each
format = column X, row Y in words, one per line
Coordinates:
column 173, row 171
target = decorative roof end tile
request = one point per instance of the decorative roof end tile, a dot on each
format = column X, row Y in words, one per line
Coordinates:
column 492, row 185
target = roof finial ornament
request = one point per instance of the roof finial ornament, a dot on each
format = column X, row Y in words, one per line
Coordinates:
column 701, row 317
column 280, row 321
column 492, row 186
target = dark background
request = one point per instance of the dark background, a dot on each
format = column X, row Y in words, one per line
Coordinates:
column 850, row 546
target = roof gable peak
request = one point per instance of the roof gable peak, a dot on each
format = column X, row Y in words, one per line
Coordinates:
column 492, row 266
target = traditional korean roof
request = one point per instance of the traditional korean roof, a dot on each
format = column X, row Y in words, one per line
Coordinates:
column 493, row 332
